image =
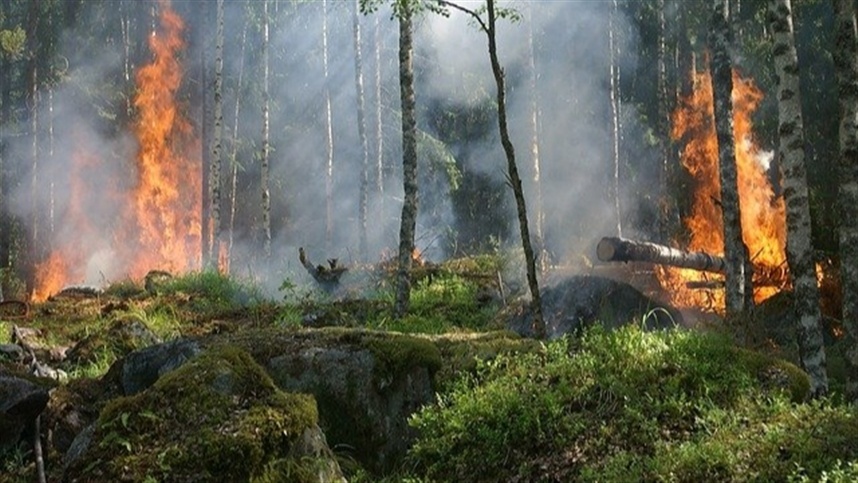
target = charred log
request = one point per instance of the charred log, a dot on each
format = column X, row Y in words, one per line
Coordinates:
column 614, row 249
column 327, row 277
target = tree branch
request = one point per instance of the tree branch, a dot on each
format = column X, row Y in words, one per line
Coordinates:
column 482, row 24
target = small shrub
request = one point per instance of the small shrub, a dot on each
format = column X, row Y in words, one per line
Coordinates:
column 621, row 406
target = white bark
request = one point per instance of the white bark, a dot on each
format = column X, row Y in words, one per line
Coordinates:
column 791, row 160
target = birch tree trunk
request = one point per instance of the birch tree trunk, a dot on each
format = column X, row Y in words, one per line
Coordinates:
column 534, row 146
column 266, row 148
column 615, row 116
column 32, row 74
column 722, row 89
column 217, row 144
column 668, row 222
column 233, row 157
column 206, row 134
column 791, row 157
column 408, row 221
column 329, row 136
column 361, row 125
column 846, row 67
column 379, row 127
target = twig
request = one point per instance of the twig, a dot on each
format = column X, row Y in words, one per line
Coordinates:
column 37, row 450
column 500, row 288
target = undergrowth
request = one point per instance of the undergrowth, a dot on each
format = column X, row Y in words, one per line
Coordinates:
column 631, row 406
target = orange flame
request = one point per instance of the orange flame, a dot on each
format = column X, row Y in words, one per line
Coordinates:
column 66, row 263
column 161, row 226
column 165, row 211
column 763, row 215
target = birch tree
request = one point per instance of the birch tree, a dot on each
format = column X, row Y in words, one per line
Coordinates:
column 405, row 11
column 615, row 115
column 846, row 67
column 361, row 126
column 791, row 156
column 217, row 142
column 379, row 127
column 233, row 157
column 722, row 89
column 535, row 161
column 266, row 141
column 329, row 135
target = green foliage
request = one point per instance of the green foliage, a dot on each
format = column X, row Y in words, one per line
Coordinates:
column 607, row 407
column 839, row 473
column 12, row 42
column 214, row 287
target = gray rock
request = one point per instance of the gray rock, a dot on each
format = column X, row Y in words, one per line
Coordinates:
column 580, row 301
column 11, row 353
column 142, row 368
column 78, row 446
column 21, row 402
column 364, row 399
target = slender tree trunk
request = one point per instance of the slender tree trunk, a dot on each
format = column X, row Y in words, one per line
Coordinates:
column 791, row 159
column 379, row 127
column 515, row 179
column 329, row 136
column 846, row 67
column 266, row 148
column 615, row 115
column 6, row 231
column 408, row 221
column 722, row 89
column 33, row 104
column 233, row 158
column 361, row 121
column 217, row 143
column 206, row 134
column 668, row 222
column 125, row 24
column 534, row 145
column 52, row 201
column 538, row 323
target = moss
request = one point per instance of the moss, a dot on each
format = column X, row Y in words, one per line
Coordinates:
column 460, row 352
column 217, row 418
column 397, row 354
column 775, row 373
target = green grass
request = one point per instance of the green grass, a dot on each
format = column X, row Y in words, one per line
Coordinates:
column 632, row 406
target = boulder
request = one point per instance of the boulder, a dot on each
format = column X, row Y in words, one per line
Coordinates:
column 219, row 417
column 579, row 301
column 366, row 384
column 140, row 369
column 21, row 402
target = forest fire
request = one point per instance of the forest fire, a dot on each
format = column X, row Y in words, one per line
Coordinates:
column 164, row 216
column 159, row 226
column 763, row 215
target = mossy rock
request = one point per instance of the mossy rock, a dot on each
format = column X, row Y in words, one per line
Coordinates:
column 218, row 418
column 124, row 335
column 366, row 383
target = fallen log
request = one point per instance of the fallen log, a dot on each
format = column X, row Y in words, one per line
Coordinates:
column 614, row 249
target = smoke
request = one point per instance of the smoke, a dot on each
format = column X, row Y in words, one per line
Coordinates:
column 452, row 72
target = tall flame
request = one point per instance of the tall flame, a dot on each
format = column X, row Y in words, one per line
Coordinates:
column 161, row 214
column 763, row 215
column 165, row 210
